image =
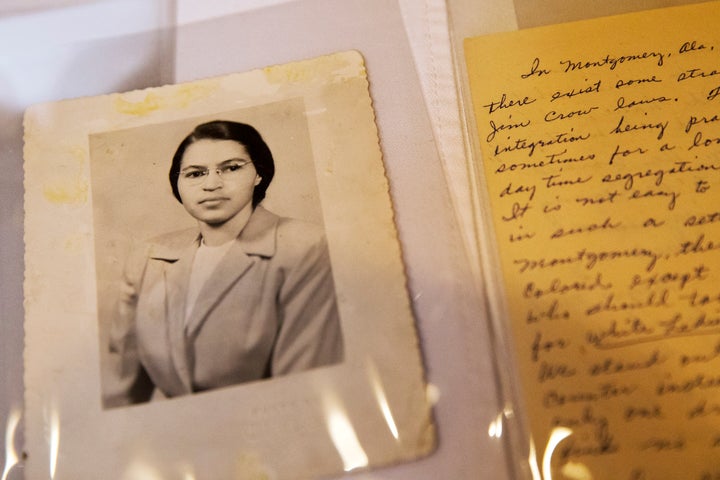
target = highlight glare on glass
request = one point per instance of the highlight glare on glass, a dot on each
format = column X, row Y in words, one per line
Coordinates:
column 11, row 456
column 576, row 471
column 382, row 400
column 138, row 470
column 496, row 426
column 432, row 393
column 54, row 439
column 556, row 436
column 343, row 434
column 188, row 475
column 532, row 461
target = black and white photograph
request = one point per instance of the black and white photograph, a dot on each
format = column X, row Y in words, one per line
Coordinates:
column 221, row 260
column 246, row 293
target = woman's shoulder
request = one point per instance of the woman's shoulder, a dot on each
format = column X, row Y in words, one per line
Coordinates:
column 294, row 237
column 295, row 228
column 265, row 222
column 168, row 245
column 296, row 234
column 174, row 239
column 301, row 245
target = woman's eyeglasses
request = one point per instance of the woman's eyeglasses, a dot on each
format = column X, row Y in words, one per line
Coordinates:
column 194, row 175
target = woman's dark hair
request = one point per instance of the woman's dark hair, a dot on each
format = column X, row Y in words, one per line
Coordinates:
column 244, row 134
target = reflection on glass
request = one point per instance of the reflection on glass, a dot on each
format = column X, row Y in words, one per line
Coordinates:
column 496, row 426
column 570, row 470
column 532, row 460
column 556, row 436
column 576, row 471
column 343, row 434
column 54, row 421
column 188, row 473
column 11, row 457
column 382, row 400
column 138, row 470
column 432, row 393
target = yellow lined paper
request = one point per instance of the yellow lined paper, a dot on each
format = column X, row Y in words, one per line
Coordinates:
column 600, row 148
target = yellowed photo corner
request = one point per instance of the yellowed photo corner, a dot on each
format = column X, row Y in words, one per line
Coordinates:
column 300, row 334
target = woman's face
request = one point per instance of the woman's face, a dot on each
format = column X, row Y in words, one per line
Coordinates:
column 217, row 179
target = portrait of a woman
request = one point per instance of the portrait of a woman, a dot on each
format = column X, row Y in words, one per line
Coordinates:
column 245, row 296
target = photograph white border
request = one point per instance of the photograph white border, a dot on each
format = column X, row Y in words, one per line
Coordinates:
column 371, row 410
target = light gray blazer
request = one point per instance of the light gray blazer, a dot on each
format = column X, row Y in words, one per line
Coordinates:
column 268, row 309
